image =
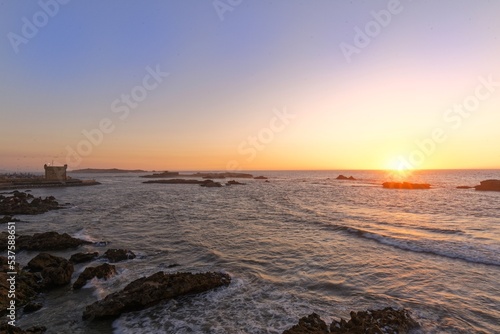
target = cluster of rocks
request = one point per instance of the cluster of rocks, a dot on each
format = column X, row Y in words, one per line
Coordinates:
column 489, row 185
column 47, row 241
column 27, row 204
column 405, row 185
column 342, row 177
column 388, row 320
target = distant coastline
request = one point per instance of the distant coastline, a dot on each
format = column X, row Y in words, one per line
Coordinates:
column 107, row 170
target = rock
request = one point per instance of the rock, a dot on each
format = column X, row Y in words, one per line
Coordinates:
column 260, row 178
column 32, row 307
column 117, row 255
column 103, row 271
column 464, row 187
column 149, row 291
column 388, row 319
column 233, row 182
column 176, row 181
column 489, row 185
column 48, row 241
column 23, row 203
column 311, row 324
column 26, row 285
column 342, row 177
column 8, row 329
column 8, row 219
column 55, row 271
column 210, row 184
column 83, row 257
column 405, row 185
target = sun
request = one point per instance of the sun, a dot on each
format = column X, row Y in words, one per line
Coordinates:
column 397, row 169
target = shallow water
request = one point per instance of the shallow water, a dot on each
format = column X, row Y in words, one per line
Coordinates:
column 302, row 243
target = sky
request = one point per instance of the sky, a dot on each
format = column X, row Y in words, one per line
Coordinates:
column 249, row 85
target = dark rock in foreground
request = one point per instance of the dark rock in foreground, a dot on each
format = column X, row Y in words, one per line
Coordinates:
column 149, row 291
column 48, row 241
column 32, row 307
column 342, row 177
column 405, row 185
column 103, row 271
column 311, row 324
column 388, row 321
column 26, row 285
column 118, row 255
column 83, row 257
column 8, row 219
column 8, row 329
column 489, row 185
column 23, row 203
column 55, row 271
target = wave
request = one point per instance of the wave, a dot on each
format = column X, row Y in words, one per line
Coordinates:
column 487, row 255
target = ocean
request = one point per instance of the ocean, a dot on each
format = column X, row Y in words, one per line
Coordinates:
column 302, row 243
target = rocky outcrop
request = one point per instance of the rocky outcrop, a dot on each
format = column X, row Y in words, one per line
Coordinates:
column 234, row 183
column 32, row 307
column 48, row 241
column 8, row 329
column 23, row 203
column 210, row 184
column 464, row 187
column 26, row 286
column 55, row 271
column 83, row 257
column 311, row 324
column 489, row 185
column 388, row 320
column 260, row 178
column 103, row 271
column 342, row 177
column 149, row 291
column 118, row 255
column 405, row 185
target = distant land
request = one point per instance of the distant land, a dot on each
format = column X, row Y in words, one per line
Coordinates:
column 107, row 170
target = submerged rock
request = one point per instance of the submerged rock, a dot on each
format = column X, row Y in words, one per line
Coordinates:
column 489, row 185
column 388, row 320
column 233, row 183
column 210, row 184
column 311, row 324
column 55, row 271
column 149, row 291
column 103, row 271
column 118, row 255
column 83, row 257
column 48, row 241
column 405, row 185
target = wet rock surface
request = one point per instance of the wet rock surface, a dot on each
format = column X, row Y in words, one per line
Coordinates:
column 149, row 291
column 7, row 329
column 311, row 324
column 8, row 219
column 103, row 271
column 48, row 241
column 118, row 255
column 26, row 286
column 32, row 307
column 55, row 271
column 83, row 257
column 385, row 321
column 27, row 204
